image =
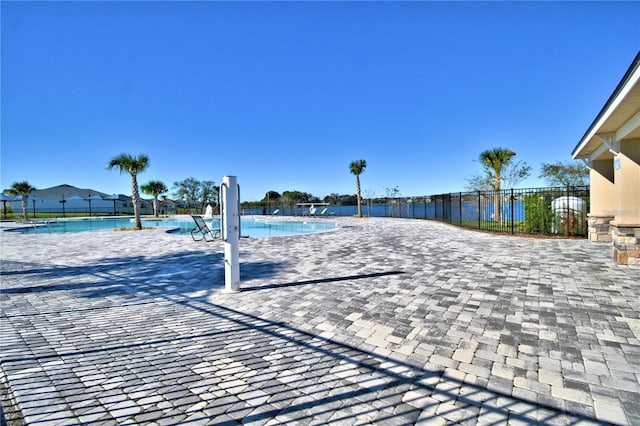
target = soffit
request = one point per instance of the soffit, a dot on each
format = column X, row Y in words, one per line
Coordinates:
column 623, row 113
column 615, row 119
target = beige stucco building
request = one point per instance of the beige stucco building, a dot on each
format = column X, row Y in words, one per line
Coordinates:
column 611, row 149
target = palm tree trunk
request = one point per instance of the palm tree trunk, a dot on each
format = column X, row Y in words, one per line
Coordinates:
column 358, row 196
column 155, row 205
column 24, row 208
column 497, row 208
column 135, row 198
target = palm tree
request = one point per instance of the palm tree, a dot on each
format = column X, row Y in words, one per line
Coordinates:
column 494, row 161
column 22, row 189
column 155, row 188
column 356, row 168
column 133, row 166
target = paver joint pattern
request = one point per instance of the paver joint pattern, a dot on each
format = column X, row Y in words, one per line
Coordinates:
column 384, row 321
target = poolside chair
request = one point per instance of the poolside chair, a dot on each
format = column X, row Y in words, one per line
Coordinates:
column 325, row 212
column 275, row 212
column 202, row 232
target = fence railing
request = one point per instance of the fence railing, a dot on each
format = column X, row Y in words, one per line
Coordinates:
column 548, row 211
column 542, row 211
column 41, row 212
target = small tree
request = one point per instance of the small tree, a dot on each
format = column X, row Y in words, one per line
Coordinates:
column 269, row 198
column 369, row 195
column 332, row 198
column 356, row 168
column 565, row 174
column 538, row 214
column 154, row 188
column 394, row 194
column 208, row 193
column 498, row 171
column 133, row 166
column 289, row 199
column 188, row 191
column 22, row 189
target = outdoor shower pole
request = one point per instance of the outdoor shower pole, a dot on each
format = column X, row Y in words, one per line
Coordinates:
column 230, row 229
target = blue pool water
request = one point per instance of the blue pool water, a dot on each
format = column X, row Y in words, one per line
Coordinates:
column 250, row 228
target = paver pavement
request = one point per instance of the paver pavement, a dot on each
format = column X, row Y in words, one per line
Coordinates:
column 384, row 321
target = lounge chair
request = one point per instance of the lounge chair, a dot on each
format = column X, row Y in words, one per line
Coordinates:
column 275, row 212
column 325, row 212
column 202, row 232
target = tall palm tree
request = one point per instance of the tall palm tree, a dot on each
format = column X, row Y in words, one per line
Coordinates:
column 356, row 168
column 155, row 188
column 22, row 189
column 494, row 161
column 133, row 166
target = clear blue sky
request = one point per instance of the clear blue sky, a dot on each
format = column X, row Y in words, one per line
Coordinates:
column 285, row 95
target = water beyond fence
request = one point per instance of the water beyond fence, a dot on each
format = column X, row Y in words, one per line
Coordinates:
column 545, row 211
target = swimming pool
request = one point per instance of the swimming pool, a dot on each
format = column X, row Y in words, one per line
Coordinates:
column 254, row 228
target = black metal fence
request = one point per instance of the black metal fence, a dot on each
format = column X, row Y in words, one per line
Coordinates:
column 35, row 212
column 546, row 211
column 542, row 211
column 15, row 211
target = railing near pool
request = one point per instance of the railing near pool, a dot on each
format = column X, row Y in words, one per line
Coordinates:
column 532, row 211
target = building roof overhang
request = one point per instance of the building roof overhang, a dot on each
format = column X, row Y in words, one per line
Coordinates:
column 618, row 120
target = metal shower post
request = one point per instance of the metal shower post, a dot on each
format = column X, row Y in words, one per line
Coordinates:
column 230, row 229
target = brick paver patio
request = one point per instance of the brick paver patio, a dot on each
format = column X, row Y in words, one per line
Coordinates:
column 385, row 321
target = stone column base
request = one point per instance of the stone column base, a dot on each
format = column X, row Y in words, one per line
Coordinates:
column 599, row 228
column 626, row 244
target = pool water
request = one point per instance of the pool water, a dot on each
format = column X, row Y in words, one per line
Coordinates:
column 250, row 228
column 263, row 228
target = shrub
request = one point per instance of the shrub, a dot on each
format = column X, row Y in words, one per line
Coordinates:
column 538, row 214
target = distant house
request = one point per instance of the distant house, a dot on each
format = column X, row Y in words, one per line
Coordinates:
column 64, row 199
column 611, row 149
column 166, row 206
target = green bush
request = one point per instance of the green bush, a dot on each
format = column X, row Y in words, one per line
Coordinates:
column 538, row 214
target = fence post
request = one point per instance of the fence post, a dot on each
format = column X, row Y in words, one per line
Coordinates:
column 479, row 212
column 512, row 213
column 567, row 214
column 460, row 208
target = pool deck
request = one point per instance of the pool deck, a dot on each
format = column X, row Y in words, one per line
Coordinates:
column 384, row 321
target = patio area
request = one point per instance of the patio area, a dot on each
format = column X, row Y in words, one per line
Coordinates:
column 383, row 321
